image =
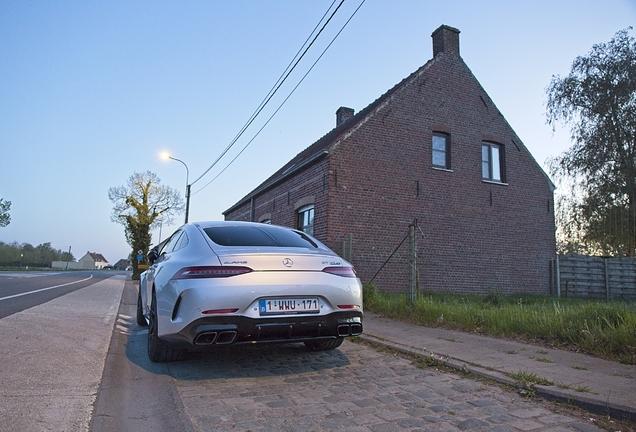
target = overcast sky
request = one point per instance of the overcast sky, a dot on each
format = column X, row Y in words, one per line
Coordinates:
column 91, row 92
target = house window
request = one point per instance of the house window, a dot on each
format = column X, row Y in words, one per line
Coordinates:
column 491, row 158
column 306, row 219
column 441, row 150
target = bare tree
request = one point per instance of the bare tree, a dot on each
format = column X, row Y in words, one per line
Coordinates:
column 597, row 100
column 139, row 205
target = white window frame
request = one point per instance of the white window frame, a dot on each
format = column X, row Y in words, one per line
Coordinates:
column 491, row 162
column 305, row 219
column 437, row 138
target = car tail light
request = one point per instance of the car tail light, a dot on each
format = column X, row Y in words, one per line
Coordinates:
column 210, row 272
column 348, row 306
column 341, row 271
column 219, row 311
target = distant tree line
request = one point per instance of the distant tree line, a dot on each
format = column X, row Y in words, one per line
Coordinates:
column 13, row 254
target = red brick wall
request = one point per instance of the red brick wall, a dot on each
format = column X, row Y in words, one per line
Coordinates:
column 472, row 235
column 281, row 202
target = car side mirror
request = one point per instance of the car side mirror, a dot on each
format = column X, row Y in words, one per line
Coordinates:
column 152, row 256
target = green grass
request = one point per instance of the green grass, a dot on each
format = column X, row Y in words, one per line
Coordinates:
column 527, row 378
column 606, row 329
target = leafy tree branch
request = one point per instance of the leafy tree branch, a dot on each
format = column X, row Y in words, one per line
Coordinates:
column 5, row 217
column 597, row 100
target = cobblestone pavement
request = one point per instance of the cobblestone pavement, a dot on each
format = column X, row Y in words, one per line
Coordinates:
column 353, row 388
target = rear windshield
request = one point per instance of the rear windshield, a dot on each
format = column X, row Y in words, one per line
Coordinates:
column 266, row 235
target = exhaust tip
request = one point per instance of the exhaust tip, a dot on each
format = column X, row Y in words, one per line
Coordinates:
column 226, row 337
column 356, row 329
column 206, row 338
column 344, row 330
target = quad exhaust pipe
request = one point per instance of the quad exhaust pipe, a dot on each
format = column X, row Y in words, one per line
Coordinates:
column 215, row 338
column 354, row 329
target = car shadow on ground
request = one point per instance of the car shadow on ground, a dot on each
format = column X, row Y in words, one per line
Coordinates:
column 236, row 361
column 257, row 360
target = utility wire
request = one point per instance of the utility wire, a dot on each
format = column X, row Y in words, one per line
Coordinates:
column 284, row 101
column 276, row 84
column 276, row 87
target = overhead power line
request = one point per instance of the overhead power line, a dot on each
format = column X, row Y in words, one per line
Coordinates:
column 278, row 83
column 285, row 100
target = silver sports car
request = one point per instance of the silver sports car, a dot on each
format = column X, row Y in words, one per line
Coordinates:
column 222, row 283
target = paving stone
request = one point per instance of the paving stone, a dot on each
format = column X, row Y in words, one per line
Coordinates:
column 354, row 388
column 472, row 424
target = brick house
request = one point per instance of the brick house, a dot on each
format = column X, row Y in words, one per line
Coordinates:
column 433, row 149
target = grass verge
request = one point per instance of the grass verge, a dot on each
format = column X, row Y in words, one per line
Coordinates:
column 606, row 329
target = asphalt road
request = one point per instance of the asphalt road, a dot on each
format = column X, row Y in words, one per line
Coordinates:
column 22, row 290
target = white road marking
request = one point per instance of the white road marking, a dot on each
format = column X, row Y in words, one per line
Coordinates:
column 43, row 289
column 27, row 274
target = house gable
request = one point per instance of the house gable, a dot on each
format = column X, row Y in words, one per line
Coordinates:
column 92, row 260
column 374, row 177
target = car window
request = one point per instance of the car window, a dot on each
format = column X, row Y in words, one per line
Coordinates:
column 169, row 247
column 182, row 242
column 265, row 235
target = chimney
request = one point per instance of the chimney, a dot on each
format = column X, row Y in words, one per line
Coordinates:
column 343, row 114
column 445, row 39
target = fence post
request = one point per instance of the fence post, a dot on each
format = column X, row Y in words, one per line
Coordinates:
column 607, row 288
column 558, row 277
column 412, row 263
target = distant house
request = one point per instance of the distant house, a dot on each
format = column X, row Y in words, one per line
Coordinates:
column 122, row 264
column 434, row 150
column 92, row 260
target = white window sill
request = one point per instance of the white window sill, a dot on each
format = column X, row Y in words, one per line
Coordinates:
column 442, row 169
column 494, row 182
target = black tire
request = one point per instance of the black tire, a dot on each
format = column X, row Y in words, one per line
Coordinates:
column 324, row 345
column 141, row 319
column 158, row 350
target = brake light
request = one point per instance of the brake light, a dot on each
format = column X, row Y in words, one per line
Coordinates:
column 341, row 271
column 210, row 272
column 219, row 311
column 348, row 306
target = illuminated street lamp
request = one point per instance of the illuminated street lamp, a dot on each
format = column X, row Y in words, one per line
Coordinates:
column 167, row 156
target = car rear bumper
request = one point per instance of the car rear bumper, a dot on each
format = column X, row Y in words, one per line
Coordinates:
column 226, row 330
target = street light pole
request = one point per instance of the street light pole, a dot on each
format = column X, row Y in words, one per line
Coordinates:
column 187, row 202
column 187, row 210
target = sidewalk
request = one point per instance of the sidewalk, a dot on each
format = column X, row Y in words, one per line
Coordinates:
column 597, row 385
column 52, row 359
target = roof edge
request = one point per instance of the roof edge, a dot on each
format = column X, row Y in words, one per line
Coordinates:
column 274, row 182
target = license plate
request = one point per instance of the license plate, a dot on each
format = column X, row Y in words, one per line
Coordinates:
column 288, row 306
